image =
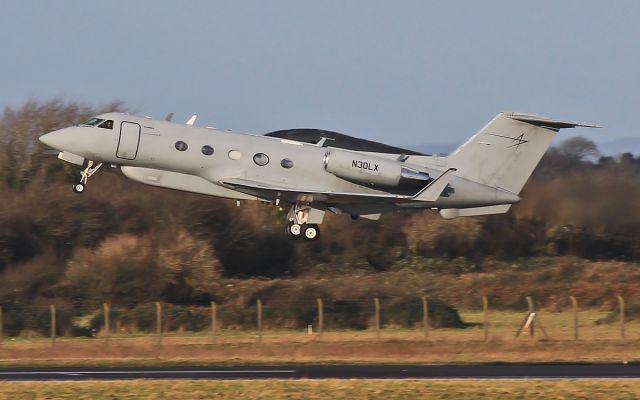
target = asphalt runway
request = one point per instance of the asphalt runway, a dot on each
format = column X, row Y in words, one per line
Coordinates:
column 499, row 371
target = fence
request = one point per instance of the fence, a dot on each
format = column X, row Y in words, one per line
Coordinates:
column 378, row 319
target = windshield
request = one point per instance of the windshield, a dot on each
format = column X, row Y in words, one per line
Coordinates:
column 108, row 124
column 93, row 122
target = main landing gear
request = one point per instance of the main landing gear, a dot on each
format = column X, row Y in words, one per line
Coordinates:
column 309, row 232
column 303, row 222
column 85, row 174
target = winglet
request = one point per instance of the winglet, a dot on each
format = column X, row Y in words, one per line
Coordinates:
column 192, row 120
column 432, row 191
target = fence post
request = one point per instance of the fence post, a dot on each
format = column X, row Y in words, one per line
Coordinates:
column 425, row 315
column 621, row 302
column 376, row 302
column 159, row 322
column 259, row 304
column 485, row 317
column 214, row 318
column 53, row 323
column 531, row 309
column 574, row 304
column 107, row 328
column 320, row 317
column 1, row 327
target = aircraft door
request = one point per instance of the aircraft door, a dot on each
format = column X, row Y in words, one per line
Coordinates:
column 129, row 141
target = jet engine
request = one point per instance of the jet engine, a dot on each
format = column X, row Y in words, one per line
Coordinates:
column 370, row 170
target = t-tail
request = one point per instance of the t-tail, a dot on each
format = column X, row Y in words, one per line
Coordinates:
column 504, row 154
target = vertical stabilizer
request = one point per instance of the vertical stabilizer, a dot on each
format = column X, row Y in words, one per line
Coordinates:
column 505, row 152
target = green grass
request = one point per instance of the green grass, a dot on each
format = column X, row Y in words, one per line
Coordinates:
column 323, row 389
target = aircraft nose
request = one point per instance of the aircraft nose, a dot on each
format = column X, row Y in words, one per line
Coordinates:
column 56, row 139
column 46, row 139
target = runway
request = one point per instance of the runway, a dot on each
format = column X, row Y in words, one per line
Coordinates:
column 496, row 371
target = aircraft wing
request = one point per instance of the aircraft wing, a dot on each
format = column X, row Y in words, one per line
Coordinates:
column 429, row 193
column 269, row 190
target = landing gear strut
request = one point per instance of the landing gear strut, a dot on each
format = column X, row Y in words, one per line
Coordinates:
column 303, row 222
column 85, row 174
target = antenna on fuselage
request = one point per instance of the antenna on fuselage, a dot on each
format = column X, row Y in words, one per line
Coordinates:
column 322, row 141
column 169, row 117
column 192, row 120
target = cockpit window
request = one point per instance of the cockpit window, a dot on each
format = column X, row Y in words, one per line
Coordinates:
column 108, row 124
column 93, row 122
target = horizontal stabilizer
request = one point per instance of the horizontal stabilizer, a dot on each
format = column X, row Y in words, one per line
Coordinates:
column 548, row 123
column 435, row 188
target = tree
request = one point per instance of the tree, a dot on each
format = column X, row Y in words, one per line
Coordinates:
column 578, row 149
column 21, row 127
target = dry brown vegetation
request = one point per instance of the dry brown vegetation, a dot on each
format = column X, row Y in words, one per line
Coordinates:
column 596, row 343
column 323, row 389
column 576, row 233
column 229, row 352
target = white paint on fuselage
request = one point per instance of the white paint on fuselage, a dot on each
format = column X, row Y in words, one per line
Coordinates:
column 157, row 151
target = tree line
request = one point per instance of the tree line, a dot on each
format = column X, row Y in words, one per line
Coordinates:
column 136, row 243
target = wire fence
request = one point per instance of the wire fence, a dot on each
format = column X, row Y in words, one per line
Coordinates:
column 379, row 318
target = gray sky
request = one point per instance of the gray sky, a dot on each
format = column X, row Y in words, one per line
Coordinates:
column 403, row 72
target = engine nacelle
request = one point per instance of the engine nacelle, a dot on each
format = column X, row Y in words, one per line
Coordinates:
column 370, row 170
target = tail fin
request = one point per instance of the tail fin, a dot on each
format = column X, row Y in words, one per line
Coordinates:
column 505, row 152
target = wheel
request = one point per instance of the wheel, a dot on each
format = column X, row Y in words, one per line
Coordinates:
column 293, row 230
column 311, row 232
column 78, row 188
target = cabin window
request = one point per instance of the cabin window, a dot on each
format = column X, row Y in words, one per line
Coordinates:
column 286, row 163
column 108, row 124
column 235, row 155
column 261, row 159
column 207, row 150
column 181, row 146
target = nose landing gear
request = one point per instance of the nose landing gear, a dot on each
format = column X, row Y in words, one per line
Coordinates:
column 78, row 188
column 85, row 174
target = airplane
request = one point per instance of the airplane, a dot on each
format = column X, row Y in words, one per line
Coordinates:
column 311, row 171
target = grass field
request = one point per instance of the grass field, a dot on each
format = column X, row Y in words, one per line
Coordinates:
column 324, row 389
column 598, row 343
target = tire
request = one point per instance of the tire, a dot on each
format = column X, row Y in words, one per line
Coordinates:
column 294, row 230
column 78, row 188
column 311, row 232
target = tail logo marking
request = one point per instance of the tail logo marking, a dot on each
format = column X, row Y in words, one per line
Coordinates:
column 517, row 140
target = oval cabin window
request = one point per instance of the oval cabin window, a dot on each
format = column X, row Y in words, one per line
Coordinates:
column 207, row 150
column 261, row 159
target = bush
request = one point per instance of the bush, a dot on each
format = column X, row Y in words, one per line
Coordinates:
column 21, row 320
column 140, row 269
